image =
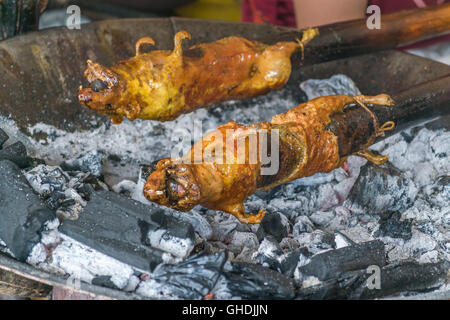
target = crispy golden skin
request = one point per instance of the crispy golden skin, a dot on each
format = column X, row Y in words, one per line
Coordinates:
column 162, row 84
column 305, row 147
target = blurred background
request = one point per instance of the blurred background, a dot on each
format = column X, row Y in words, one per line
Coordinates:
column 291, row 13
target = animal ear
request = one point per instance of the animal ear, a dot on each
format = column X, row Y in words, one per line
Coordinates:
column 176, row 57
column 142, row 41
column 96, row 71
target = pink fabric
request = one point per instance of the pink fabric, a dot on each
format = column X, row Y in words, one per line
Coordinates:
column 388, row 6
column 278, row 12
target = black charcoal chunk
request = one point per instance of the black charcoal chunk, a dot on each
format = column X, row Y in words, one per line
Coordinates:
column 112, row 225
column 252, row 281
column 393, row 191
column 443, row 122
column 104, row 281
column 394, row 279
column 392, row 226
column 269, row 254
column 273, row 225
column 290, row 261
column 331, row 263
column 410, row 276
column 192, row 278
column 22, row 215
column 16, row 153
column 267, row 194
column 90, row 162
column 3, row 138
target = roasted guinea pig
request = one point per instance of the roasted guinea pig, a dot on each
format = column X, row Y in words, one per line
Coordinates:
column 227, row 165
column 162, row 84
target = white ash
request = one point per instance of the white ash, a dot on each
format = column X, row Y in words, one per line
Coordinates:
column 5, row 249
column 125, row 187
column 152, row 289
column 268, row 250
column 90, row 161
column 70, row 257
column 57, row 188
column 244, row 239
column 179, row 247
column 341, row 241
column 316, row 242
column 310, row 282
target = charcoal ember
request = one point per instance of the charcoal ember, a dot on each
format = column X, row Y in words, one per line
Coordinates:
column 56, row 188
column 290, row 261
column 22, row 215
column 439, row 192
column 392, row 226
column 198, row 222
column 330, row 264
column 394, row 279
column 3, row 138
column 267, row 194
column 269, row 254
column 381, row 188
column 316, row 241
column 289, row 244
column 192, row 278
column 120, row 228
column 275, row 224
column 223, row 230
column 85, row 191
column 16, row 153
column 169, row 234
column 94, row 182
column 302, row 224
column 54, row 199
column 322, row 218
column 242, row 239
column 253, row 281
column 89, row 162
column 47, row 179
column 69, row 210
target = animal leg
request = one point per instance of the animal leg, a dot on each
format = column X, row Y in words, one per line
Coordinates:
column 238, row 211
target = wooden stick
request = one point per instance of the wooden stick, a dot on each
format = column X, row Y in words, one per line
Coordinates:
column 352, row 38
column 354, row 127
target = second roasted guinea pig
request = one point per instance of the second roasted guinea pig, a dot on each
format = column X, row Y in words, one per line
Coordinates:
column 162, row 84
column 228, row 165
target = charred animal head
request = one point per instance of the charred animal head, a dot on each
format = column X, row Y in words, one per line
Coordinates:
column 173, row 184
column 101, row 96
